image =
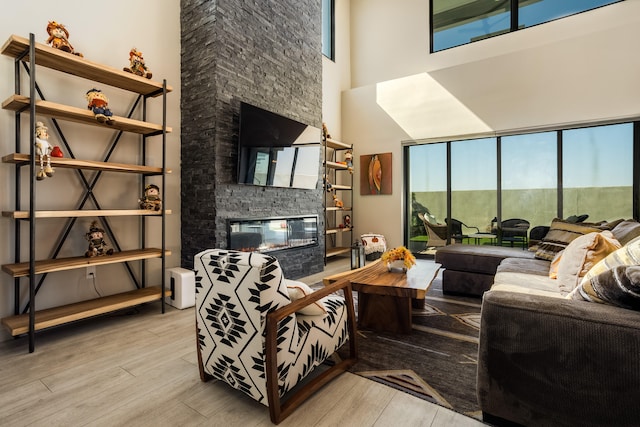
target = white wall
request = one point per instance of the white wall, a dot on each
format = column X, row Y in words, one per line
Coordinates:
column 104, row 34
column 336, row 75
column 578, row 69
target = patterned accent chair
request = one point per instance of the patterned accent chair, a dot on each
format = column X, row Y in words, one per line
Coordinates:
column 252, row 336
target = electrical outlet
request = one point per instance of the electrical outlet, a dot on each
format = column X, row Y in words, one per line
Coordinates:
column 91, row 272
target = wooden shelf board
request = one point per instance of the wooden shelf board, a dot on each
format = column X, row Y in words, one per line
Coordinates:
column 63, row 162
column 83, row 213
column 336, row 251
column 332, row 208
column 62, row 264
column 335, row 165
column 336, row 145
column 48, row 318
column 341, row 187
column 337, row 230
column 81, row 115
column 56, row 59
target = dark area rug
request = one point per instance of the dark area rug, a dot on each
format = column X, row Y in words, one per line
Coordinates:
column 437, row 361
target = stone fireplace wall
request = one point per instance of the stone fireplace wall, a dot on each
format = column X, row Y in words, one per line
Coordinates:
column 266, row 53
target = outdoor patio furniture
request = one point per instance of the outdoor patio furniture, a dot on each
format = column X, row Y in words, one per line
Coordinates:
column 437, row 232
column 460, row 230
column 513, row 231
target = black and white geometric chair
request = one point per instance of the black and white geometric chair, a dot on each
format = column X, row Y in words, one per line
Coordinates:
column 252, row 336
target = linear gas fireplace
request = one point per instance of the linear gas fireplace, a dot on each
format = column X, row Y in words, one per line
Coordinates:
column 273, row 234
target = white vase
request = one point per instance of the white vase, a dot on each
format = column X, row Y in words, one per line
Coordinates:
column 396, row 266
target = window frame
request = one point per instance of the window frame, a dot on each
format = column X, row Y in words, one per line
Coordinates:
column 560, row 187
column 331, row 28
column 514, row 23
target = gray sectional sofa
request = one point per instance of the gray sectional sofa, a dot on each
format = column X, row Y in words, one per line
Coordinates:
column 548, row 354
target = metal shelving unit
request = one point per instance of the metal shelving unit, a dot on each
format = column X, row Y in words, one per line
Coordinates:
column 29, row 55
column 334, row 233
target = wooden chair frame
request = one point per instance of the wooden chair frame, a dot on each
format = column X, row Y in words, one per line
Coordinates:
column 278, row 411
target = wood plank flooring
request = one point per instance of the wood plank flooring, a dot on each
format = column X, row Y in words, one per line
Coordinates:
column 138, row 368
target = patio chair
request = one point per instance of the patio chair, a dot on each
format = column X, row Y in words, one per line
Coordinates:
column 253, row 337
column 513, row 231
column 460, row 230
column 437, row 232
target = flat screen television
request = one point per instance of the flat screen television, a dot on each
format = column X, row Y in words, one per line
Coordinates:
column 277, row 151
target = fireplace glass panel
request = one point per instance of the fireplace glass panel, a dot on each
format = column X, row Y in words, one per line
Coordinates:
column 273, row 234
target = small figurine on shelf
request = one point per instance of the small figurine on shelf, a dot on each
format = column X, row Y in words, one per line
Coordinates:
column 59, row 38
column 43, row 149
column 97, row 245
column 337, row 202
column 327, row 184
column 347, row 221
column 99, row 104
column 348, row 159
column 325, row 131
column 137, row 65
column 151, row 199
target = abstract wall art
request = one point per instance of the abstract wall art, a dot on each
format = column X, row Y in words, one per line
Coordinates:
column 375, row 174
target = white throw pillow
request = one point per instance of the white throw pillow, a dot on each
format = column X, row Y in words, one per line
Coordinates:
column 298, row 290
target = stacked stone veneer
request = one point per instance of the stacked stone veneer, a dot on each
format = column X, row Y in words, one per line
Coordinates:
column 266, row 53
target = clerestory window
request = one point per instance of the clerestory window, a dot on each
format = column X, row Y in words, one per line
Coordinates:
column 328, row 29
column 457, row 22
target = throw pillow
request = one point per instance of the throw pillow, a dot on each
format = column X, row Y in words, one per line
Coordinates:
column 560, row 234
column 581, row 255
column 553, row 268
column 626, row 255
column 610, row 225
column 298, row 290
column 619, row 286
column 626, row 231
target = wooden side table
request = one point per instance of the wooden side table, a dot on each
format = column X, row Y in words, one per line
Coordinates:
column 385, row 299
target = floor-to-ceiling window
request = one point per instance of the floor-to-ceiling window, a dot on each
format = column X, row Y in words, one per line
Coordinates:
column 529, row 177
column 533, row 176
column 597, row 172
column 474, row 182
column 427, row 175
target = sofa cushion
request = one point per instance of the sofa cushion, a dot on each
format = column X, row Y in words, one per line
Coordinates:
column 619, row 286
column 539, row 282
column 522, row 265
column 519, row 289
column 560, row 234
column 477, row 258
column 626, row 231
column 581, row 255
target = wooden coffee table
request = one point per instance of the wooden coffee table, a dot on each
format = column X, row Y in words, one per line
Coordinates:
column 385, row 298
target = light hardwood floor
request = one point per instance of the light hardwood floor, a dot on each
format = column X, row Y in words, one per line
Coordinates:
column 139, row 368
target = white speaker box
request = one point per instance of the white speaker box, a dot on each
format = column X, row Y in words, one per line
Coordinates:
column 182, row 283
